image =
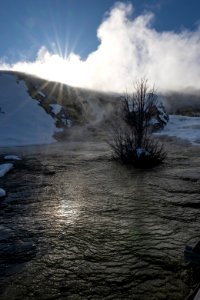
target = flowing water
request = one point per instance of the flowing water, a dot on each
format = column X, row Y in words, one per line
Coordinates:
column 77, row 225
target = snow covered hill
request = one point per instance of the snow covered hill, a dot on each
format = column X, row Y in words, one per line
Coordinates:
column 23, row 121
column 36, row 111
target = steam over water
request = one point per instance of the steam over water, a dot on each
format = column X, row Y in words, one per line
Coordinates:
column 101, row 230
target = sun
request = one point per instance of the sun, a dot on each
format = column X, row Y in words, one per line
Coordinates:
column 55, row 67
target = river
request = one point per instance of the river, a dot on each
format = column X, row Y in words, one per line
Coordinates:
column 78, row 225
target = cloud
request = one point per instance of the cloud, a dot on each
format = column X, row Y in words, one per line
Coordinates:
column 129, row 48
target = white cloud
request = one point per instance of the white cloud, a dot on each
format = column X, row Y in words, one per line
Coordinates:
column 128, row 49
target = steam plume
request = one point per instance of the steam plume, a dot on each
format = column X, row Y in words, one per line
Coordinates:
column 128, row 49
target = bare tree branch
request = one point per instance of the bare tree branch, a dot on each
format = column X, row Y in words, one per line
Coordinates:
column 134, row 143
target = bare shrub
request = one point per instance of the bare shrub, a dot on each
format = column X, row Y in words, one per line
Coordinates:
column 133, row 143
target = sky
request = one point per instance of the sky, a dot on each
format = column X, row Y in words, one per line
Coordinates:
column 103, row 44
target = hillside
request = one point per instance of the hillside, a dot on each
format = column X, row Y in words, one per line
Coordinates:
column 36, row 111
column 22, row 120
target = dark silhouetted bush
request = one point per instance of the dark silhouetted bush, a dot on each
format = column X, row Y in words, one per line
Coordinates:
column 133, row 143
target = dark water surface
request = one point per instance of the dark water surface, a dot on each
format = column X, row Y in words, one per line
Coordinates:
column 77, row 225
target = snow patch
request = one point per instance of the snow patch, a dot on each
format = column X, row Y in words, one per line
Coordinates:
column 24, row 121
column 56, row 108
column 5, row 168
column 141, row 151
column 13, row 157
column 183, row 127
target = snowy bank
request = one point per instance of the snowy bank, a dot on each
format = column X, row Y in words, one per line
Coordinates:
column 22, row 120
column 5, row 168
column 183, row 127
column 12, row 157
